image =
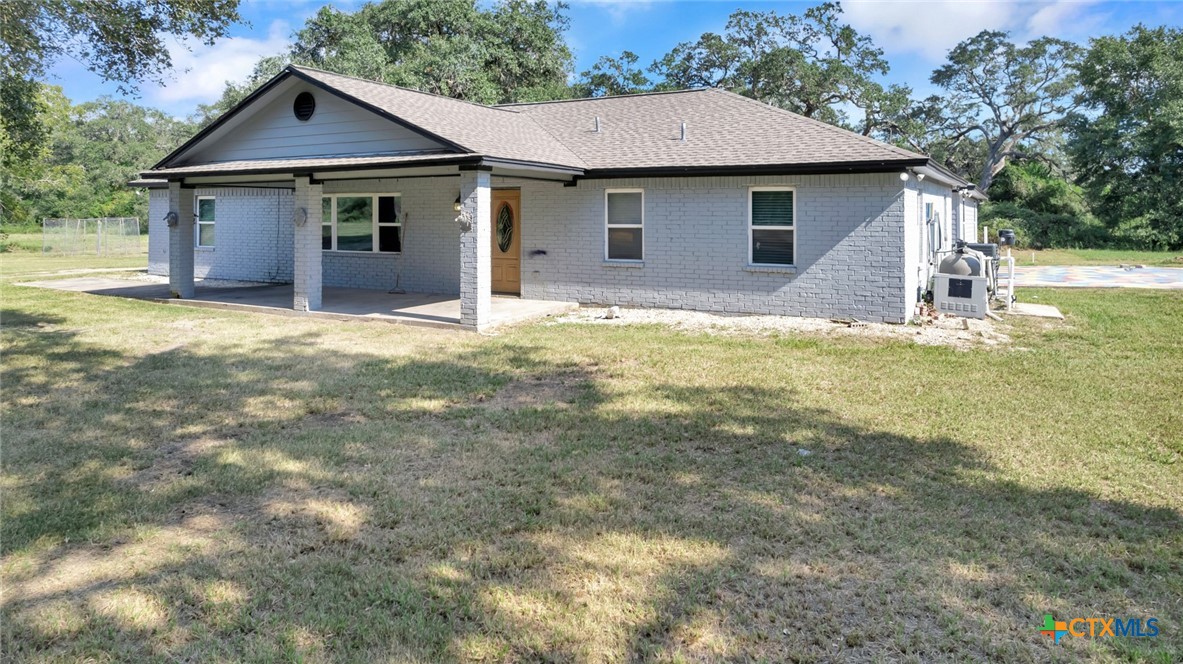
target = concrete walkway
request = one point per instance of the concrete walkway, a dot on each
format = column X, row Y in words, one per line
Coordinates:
column 441, row 311
column 1091, row 276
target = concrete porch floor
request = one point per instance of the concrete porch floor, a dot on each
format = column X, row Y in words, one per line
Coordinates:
column 441, row 311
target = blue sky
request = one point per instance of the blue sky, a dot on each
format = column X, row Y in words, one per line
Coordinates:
column 914, row 34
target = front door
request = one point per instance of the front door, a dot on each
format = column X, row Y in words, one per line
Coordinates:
column 507, row 241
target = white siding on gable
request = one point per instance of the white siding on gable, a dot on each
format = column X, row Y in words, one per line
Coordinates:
column 337, row 128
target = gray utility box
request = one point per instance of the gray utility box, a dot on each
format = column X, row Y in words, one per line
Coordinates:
column 960, row 295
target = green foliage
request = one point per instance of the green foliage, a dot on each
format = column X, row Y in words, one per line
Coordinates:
column 1013, row 99
column 612, row 76
column 91, row 152
column 512, row 51
column 1128, row 151
column 1046, row 211
column 811, row 63
column 120, row 40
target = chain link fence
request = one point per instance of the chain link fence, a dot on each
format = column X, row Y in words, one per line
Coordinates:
column 107, row 236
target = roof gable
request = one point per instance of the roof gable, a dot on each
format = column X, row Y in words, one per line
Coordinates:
column 264, row 120
column 486, row 130
column 337, row 128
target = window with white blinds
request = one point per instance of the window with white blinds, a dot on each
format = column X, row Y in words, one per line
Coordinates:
column 772, row 217
column 624, row 220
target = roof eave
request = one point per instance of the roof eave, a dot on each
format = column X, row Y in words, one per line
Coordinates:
column 954, row 180
column 147, row 183
column 181, row 173
column 817, row 168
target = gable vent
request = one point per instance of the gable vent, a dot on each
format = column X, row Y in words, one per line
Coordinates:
column 304, row 106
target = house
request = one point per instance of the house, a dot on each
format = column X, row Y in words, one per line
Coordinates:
column 696, row 199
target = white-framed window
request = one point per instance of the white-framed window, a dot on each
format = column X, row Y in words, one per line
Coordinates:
column 772, row 225
column 206, row 214
column 624, row 224
column 367, row 223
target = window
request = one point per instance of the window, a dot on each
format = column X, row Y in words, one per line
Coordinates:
column 362, row 222
column 206, row 212
column 772, row 216
column 624, row 212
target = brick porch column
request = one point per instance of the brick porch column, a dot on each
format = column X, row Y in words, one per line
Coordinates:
column 476, row 259
column 180, row 241
column 307, row 268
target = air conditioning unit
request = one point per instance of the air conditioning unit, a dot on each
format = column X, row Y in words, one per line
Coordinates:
column 960, row 295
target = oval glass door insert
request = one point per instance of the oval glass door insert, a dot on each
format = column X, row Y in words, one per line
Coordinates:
column 505, row 228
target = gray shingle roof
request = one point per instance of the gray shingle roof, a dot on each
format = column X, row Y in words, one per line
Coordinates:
column 722, row 129
column 486, row 130
column 638, row 132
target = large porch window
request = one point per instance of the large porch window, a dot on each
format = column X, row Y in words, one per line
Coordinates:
column 362, row 222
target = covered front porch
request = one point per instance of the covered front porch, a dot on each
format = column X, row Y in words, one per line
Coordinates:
column 441, row 311
column 447, row 262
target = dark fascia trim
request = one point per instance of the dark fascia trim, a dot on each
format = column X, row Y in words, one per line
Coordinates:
column 305, row 170
column 824, row 168
column 533, row 165
column 140, row 184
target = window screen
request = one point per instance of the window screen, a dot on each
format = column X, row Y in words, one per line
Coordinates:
column 772, row 227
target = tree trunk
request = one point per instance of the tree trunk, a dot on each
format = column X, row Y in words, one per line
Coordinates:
column 994, row 164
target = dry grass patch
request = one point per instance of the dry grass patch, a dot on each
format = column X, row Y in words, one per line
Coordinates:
column 187, row 485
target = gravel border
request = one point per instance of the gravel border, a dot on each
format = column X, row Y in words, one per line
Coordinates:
column 956, row 332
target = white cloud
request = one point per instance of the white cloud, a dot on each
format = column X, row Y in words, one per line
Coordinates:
column 200, row 74
column 619, row 10
column 1066, row 20
column 930, row 29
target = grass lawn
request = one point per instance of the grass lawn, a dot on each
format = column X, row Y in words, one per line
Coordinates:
column 21, row 263
column 28, row 259
column 22, row 242
column 1098, row 257
column 189, row 484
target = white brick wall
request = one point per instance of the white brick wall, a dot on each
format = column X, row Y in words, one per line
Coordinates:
column 850, row 247
column 252, row 235
column 157, row 232
column 430, row 260
column 254, row 238
column 180, row 241
column 851, row 244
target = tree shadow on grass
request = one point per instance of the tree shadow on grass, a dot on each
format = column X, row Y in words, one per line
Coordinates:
column 277, row 501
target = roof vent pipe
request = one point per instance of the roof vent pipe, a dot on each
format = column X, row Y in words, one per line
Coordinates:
column 683, row 132
column 597, row 124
